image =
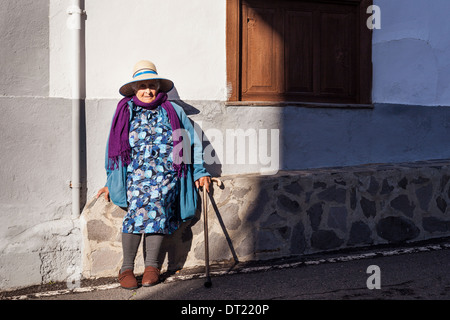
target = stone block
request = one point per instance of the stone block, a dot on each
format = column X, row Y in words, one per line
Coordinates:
column 441, row 204
column 373, row 186
column 325, row 240
column 403, row 204
column 267, row 241
column 246, row 247
column 368, row 207
column 99, row 231
column 294, row 188
column 273, row 221
column 285, row 203
column 231, row 217
column 298, row 243
column 315, row 215
column 424, row 195
column 386, row 188
column 258, row 206
column 397, row 229
column 433, row 225
column 333, row 194
column 337, row 218
column 106, row 261
column 360, row 233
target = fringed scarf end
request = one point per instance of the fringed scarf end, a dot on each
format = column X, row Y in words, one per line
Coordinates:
column 181, row 170
column 114, row 161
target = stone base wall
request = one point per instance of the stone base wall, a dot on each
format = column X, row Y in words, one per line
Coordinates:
column 291, row 213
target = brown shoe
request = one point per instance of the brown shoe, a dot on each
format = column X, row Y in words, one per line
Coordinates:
column 128, row 280
column 150, row 277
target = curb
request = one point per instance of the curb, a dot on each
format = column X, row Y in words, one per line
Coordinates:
column 251, row 269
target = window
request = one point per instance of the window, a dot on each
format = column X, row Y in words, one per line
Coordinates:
column 299, row 51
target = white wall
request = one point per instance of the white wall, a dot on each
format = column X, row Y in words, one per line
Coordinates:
column 185, row 39
column 24, row 56
column 38, row 239
column 411, row 53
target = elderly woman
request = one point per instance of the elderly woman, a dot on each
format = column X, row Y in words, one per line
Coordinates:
column 154, row 165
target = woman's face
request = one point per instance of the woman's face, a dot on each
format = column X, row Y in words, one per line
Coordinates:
column 146, row 91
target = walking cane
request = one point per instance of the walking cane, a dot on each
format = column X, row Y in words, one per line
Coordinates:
column 208, row 282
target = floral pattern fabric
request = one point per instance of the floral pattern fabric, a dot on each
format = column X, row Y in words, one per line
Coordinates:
column 151, row 178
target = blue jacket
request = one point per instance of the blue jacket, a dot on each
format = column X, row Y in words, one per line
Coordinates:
column 187, row 198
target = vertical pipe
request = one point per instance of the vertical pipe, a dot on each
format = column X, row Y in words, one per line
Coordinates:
column 74, row 24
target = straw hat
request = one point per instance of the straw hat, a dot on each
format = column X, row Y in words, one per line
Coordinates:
column 145, row 70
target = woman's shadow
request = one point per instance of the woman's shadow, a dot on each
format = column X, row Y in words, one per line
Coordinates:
column 175, row 247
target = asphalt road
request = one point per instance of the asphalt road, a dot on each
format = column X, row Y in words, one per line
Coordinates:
column 419, row 273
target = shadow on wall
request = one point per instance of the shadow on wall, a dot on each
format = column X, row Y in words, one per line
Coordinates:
column 297, row 213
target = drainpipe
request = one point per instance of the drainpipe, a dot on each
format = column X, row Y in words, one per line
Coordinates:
column 74, row 24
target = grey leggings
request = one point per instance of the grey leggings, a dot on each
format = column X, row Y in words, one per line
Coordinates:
column 130, row 244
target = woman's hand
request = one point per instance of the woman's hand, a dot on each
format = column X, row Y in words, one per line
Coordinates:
column 203, row 182
column 104, row 190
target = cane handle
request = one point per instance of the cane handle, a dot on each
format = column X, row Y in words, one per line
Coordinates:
column 218, row 181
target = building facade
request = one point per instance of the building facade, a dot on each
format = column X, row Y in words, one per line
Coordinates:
column 361, row 93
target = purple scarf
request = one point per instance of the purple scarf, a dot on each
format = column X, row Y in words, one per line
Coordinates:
column 119, row 145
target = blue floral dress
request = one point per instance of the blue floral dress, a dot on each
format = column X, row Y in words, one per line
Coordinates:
column 151, row 178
